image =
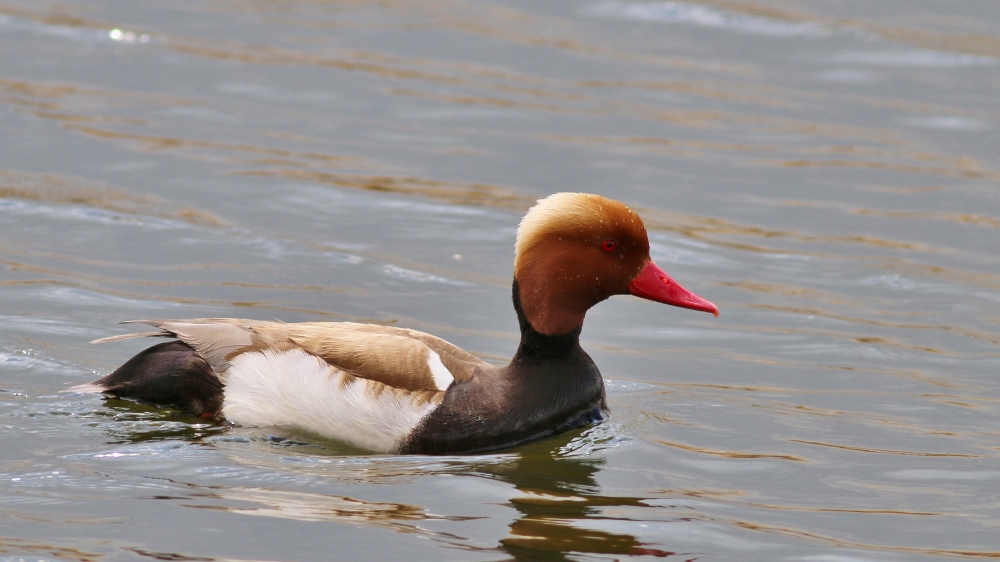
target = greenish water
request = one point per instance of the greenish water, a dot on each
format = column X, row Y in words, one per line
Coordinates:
column 826, row 172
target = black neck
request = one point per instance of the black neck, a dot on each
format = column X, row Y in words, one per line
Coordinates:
column 537, row 346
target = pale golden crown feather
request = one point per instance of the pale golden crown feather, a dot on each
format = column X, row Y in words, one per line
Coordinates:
column 568, row 213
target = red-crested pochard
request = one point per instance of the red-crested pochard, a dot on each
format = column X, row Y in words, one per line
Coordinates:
column 403, row 391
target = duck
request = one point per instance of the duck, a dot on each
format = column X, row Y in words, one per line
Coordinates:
column 401, row 391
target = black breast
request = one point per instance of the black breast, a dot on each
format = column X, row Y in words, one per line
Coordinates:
column 551, row 386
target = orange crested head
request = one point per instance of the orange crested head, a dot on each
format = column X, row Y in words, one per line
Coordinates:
column 575, row 250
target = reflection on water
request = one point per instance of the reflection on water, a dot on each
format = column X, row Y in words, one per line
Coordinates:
column 137, row 423
column 559, row 500
column 825, row 171
column 552, row 486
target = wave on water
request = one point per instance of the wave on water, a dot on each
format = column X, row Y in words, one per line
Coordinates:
column 419, row 276
column 87, row 214
column 914, row 58
column 703, row 16
column 79, row 33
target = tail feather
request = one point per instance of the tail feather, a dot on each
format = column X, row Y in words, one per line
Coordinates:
column 89, row 388
column 122, row 337
column 215, row 339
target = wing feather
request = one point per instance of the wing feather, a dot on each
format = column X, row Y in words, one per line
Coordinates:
column 400, row 358
column 388, row 355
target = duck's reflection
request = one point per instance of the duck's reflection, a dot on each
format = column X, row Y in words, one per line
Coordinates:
column 558, row 495
column 128, row 421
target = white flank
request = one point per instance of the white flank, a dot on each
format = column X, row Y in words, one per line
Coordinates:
column 294, row 388
column 442, row 376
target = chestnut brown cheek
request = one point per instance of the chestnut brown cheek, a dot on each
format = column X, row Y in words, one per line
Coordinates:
column 555, row 299
column 612, row 277
column 559, row 280
column 547, row 303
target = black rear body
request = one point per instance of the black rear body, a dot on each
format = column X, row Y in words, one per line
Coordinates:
column 168, row 374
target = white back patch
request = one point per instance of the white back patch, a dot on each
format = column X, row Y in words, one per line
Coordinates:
column 442, row 376
column 294, row 388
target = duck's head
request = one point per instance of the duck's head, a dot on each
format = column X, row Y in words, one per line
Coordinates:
column 574, row 250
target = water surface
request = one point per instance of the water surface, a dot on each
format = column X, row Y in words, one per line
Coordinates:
column 826, row 172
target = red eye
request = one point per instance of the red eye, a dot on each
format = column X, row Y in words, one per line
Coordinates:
column 609, row 246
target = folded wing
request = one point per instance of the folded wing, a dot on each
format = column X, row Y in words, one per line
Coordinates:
column 397, row 357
